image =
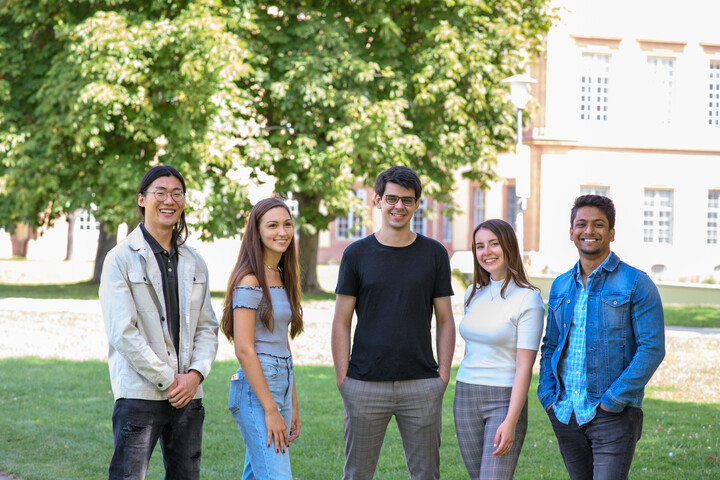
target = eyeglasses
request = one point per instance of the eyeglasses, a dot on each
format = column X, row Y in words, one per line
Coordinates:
column 407, row 201
column 161, row 195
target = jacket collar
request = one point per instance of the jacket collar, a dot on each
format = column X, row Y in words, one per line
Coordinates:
column 608, row 265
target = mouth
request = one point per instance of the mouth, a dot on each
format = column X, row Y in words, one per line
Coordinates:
column 167, row 211
column 590, row 241
column 489, row 261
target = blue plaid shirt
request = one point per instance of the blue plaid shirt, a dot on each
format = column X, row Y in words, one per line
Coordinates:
column 573, row 395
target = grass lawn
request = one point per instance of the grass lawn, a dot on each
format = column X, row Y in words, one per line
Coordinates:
column 55, row 425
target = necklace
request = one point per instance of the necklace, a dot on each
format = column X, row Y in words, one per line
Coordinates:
column 276, row 269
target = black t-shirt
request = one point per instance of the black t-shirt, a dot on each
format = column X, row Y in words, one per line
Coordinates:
column 394, row 289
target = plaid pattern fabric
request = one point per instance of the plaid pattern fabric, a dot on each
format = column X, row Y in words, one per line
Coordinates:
column 573, row 397
column 479, row 410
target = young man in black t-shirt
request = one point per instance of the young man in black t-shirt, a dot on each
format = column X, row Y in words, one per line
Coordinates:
column 393, row 279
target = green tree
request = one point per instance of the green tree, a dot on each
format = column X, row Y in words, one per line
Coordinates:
column 346, row 89
column 88, row 87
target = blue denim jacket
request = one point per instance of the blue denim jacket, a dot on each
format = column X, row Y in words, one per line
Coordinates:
column 625, row 335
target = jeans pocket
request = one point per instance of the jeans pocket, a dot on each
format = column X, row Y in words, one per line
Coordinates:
column 269, row 371
column 235, row 395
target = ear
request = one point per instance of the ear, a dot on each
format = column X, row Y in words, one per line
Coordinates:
column 141, row 200
column 377, row 200
column 612, row 235
column 571, row 235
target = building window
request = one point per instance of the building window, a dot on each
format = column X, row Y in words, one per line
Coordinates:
column 513, row 206
column 447, row 229
column 594, row 84
column 661, row 72
column 86, row 221
column 658, row 216
column 290, row 201
column 419, row 223
column 594, row 190
column 351, row 226
column 714, row 93
column 478, row 207
column 713, row 213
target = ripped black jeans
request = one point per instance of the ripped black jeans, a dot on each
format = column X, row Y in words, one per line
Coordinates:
column 139, row 424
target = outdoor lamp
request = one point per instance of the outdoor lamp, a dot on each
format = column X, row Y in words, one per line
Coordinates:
column 519, row 98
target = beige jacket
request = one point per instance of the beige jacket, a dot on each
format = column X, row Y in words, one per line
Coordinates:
column 141, row 356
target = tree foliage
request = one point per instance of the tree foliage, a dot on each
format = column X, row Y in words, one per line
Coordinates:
column 347, row 89
column 310, row 97
column 90, row 87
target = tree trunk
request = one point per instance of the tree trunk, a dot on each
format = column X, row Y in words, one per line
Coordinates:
column 20, row 238
column 105, row 243
column 308, row 248
column 70, row 236
column 308, row 262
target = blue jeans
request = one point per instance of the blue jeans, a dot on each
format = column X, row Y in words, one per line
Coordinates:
column 137, row 426
column 601, row 449
column 261, row 461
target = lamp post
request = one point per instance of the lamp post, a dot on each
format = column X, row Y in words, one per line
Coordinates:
column 519, row 98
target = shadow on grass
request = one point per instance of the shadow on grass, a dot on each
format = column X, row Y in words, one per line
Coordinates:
column 76, row 291
column 55, row 424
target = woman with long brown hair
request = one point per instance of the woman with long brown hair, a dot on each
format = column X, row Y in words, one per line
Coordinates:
column 261, row 304
column 502, row 327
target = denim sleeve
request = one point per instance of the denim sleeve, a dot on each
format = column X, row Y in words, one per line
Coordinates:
column 547, row 385
column 648, row 324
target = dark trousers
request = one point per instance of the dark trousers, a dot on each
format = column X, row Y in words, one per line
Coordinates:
column 603, row 448
column 139, row 424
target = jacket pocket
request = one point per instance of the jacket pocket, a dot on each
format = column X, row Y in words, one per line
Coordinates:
column 143, row 292
column 616, row 309
column 198, row 291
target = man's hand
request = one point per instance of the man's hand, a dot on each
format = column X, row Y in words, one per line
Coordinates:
column 183, row 389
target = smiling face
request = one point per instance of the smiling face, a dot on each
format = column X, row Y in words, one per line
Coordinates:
column 161, row 216
column 591, row 233
column 276, row 231
column 489, row 254
column 396, row 216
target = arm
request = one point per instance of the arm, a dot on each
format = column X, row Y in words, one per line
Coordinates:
column 340, row 340
column 205, row 340
column 648, row 325
column 295, row 422
column 505, row 435
column 244, row 340
column 445, row 336
column 547, row 384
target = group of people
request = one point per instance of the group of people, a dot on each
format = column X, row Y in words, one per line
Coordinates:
column 603, row 340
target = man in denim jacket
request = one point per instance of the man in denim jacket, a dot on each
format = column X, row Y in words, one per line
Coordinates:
column 604, row 339
column 162, row 335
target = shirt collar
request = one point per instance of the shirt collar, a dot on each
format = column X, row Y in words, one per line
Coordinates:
column 154, row 245
column 578, row 276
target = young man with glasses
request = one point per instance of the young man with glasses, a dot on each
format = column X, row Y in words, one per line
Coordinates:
column 162, row 335
column 393, row 280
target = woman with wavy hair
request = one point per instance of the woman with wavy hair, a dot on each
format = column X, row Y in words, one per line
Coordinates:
column 502, row 327
column 261, row 304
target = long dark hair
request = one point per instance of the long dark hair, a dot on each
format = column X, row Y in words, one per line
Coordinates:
column 250, row 262
column 513, row 261
column 180, row 230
